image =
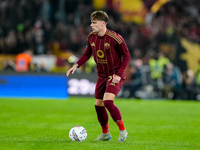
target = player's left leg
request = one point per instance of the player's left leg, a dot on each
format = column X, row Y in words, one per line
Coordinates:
column 115, row 114
column 111, row 91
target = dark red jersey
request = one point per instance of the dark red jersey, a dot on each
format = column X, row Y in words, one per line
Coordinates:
column 110, row 53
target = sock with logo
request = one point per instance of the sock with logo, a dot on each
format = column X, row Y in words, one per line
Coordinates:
column 115, row 113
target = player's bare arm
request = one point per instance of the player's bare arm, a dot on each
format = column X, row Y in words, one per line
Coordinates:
column 72, row 69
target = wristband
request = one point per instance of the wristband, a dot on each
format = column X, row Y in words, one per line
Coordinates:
column 77, row 65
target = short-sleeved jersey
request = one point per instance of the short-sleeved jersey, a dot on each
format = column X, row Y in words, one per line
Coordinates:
column 110, row 53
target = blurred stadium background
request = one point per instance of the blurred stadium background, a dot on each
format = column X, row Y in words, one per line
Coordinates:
column 41, row 39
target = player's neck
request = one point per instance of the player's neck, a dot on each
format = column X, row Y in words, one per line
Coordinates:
column 102, row 32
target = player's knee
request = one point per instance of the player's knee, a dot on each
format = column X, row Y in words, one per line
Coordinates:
column 99, row 102
column 108, row 103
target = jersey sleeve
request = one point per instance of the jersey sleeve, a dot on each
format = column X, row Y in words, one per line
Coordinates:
column 123, row 49
column 86, row 55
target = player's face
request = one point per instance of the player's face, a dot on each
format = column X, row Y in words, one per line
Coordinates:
column 97, row 25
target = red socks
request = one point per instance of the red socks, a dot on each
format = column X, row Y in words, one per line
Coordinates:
column 120, row 124
column 105, row 129
column 102, row 115
column 115, row 113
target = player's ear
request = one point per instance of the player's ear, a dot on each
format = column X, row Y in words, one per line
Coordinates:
column 103, row 23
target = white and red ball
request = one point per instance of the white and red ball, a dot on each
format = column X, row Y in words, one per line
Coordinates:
column 78, row 133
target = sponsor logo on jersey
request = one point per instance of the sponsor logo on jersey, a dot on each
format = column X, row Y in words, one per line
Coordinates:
column 100, row 53
column 101, row 61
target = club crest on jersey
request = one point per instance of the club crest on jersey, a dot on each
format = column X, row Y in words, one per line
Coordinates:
column 100, row 53
column 93, row 44
column 107, row 45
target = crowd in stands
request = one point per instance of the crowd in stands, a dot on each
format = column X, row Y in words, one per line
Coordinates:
column 54, row 27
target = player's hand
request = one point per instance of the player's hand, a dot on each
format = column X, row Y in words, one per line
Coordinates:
column 116, row 79
column 71, row 70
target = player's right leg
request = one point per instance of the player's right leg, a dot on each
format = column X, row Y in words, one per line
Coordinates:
column 102, row 116
column 101, row 111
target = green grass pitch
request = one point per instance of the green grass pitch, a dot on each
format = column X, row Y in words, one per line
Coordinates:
column 152, row 124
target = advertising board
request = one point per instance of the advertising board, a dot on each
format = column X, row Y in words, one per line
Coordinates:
column 33, row 86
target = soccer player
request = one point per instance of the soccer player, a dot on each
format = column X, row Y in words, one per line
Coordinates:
column 111, row 56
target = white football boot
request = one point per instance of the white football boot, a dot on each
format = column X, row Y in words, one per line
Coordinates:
column 104, row 137
column 123, row 136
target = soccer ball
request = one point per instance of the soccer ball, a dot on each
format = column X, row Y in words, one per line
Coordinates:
column 78, row 133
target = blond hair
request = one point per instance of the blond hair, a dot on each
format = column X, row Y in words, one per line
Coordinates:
column 100, row 15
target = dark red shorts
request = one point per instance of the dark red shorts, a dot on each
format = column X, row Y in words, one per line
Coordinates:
column 105, row 85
